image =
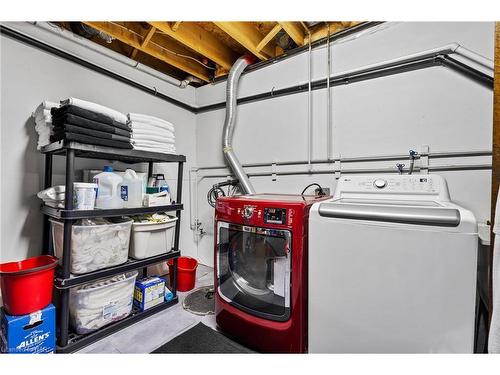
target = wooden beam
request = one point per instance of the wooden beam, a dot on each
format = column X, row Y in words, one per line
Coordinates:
column 270, row 35
column 322, row 31
column 248, row 36
column 295, row 30
column 175, row 25
column 145, row 41
column 495, row 163
column 134, row 40
column 198, row 39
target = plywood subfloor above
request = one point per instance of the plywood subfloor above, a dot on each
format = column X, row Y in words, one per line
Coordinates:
column 203, row 50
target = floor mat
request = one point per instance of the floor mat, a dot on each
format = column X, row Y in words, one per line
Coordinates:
column 201, row 339
column 201, row 301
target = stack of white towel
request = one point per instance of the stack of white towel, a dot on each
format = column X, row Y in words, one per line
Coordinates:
column 151, row 133
column 43, row 122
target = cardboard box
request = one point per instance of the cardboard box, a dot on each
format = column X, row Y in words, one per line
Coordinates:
column 149, row 292
column 31, row 333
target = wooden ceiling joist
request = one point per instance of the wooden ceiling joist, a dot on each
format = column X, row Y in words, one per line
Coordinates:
column 270, row 36
column 321, row 31
column 145, row 41
column 248, row 36
column 296, row 32
column 195, row 37
column 153, row 49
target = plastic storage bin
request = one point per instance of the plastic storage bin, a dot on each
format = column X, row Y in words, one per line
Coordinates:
column 150, row 239
column 94, row 247
column 99, row 303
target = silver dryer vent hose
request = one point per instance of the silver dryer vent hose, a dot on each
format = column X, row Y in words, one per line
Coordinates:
column 230, row 121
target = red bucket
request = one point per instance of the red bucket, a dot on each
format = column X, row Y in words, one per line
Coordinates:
column 27, row 285
column 186, row 273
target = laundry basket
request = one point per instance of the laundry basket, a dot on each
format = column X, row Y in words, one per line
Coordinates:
column 94, row 247
column 96, row 304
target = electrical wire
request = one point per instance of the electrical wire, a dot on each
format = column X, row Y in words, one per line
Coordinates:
column 320, row 189
column 166, row 49
column 213, row 194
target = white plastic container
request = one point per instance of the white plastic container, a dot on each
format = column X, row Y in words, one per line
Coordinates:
column 131, row 189
column 94, row 247
column 84, row 195
column 96, row 304
column 150, row 239
column 108, row 191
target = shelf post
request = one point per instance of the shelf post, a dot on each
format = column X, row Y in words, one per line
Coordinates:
column 47, row 182
column 66, row 258
column 177, row 224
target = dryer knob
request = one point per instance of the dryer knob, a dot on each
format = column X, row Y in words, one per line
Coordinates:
column 380, row 183
column 248, row 212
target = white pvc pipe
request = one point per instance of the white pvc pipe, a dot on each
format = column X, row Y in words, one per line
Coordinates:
column 476, row 57
column 309, row 106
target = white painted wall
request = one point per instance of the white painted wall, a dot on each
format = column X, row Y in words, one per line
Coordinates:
column 28, row 76
column 391, row 115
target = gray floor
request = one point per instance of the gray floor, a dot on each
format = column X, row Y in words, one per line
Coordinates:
column 152, row 332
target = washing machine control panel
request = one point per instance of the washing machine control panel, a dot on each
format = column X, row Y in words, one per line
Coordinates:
column 275, row 216
column 423, row 185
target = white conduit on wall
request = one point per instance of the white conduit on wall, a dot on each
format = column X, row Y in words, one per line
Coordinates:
column 225, row 173
column 309, row 105
column 329, row 125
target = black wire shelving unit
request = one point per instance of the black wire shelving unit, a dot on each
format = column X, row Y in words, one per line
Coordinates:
column 68, row 341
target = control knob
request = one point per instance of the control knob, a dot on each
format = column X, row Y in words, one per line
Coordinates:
column 248, row 212
column 379, row 183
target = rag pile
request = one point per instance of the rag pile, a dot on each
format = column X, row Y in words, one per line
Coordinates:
column 43, row 122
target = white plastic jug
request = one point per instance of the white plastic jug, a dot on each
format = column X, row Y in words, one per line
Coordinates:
column 108, row 189
column 131, row 189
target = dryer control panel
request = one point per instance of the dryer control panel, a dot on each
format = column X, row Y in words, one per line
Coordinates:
column 398, row 185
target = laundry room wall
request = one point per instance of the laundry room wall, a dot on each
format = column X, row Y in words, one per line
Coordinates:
column 434, row 107
column 29, row 76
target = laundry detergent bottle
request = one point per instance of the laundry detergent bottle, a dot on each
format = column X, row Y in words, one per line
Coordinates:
column 131, row 189
column 108, row 189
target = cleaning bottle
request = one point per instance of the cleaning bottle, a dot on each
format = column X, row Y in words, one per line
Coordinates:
column 131, row 189
column 108, row 189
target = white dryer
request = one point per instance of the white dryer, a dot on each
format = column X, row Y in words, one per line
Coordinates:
column 392, row 268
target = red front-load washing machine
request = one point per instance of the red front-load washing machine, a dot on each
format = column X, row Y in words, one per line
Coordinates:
column 261, row 270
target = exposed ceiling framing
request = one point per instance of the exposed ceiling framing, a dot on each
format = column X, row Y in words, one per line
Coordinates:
column 207, row 50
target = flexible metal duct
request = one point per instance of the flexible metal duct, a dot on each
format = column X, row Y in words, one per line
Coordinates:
column 229, row 123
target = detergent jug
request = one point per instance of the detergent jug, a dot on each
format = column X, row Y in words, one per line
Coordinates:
column 131, row 189
column 108, row 189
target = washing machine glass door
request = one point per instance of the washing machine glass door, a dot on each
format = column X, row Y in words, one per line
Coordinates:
column 253, row 269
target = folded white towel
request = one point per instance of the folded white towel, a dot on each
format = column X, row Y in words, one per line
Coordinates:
column 151, row 120
column 152, row 130
column 144, row 125
column 163, row 150
column 153, row 143
column 152, row 138
column 117, row 116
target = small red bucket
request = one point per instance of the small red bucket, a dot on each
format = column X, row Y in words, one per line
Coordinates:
column 186, row 273
column 27, row 285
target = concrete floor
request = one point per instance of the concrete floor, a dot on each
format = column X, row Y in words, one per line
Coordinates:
column 154, row 331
